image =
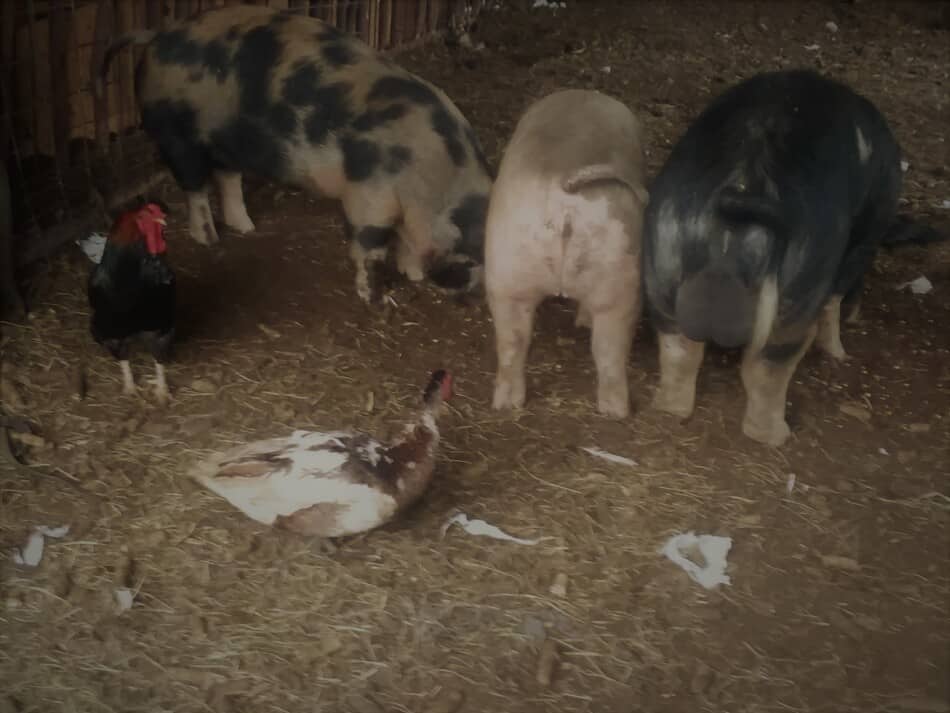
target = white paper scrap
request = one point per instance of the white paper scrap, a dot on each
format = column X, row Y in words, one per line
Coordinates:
column 93, row 246
column 124, row 598
column 613, row 458
column 480, row 527
column 713, row 549
column 32, row 552
column 920, row 286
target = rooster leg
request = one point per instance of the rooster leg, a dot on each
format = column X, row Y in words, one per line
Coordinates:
column 128, row 383
column 232, row 202
column 200, row 220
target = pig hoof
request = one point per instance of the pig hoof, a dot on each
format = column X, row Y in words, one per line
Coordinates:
column 204, row 234
column 240, row 223
column 771, row 434
column 507, row 396
column 672, row 404
column 413, row 272
column 614, row 408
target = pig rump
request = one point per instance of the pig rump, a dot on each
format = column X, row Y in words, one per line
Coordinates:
column 762, row 224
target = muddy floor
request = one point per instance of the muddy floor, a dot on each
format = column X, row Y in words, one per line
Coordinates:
column 840, row 563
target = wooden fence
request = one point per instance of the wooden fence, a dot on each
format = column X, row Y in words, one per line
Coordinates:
column 54, row 131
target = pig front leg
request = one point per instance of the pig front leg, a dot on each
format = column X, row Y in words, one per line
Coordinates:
column 408, row 261
column 371, row 217
column 514, row 320
column 766, row 374
column 200, row 220
column 611, row 337
column 232, row 201
column 680, row 359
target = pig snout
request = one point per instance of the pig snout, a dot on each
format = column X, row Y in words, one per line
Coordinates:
column 715, row 306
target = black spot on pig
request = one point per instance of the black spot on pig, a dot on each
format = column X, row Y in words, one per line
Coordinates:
column 233, row 33
column 360, row 158
column 216, row 58
column 331, row 111
column 397, row 158
column 281, row 119
column 255, row 59
column 243, row 144
column 329, row 33
column 477, row 151
column 302, row 84
column 394, row 88
column 369, row 120
column 469, row 217
column 176, row 47
column 372, row 237
column 338, row 54
column 173, row 125
column 447, row 127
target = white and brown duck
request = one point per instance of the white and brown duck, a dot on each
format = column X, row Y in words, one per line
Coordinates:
column 334, row 483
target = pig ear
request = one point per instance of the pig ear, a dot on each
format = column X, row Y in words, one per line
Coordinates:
column 643, row 195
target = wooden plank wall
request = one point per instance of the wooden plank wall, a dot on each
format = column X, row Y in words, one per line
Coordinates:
column 58, row 46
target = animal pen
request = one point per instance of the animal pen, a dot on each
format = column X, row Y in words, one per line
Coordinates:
column 163, row 596
column 72, row 155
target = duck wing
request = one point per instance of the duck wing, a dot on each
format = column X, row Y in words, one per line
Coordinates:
column 312, row 483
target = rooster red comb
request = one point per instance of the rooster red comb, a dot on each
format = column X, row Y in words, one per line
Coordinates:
column 153, row 211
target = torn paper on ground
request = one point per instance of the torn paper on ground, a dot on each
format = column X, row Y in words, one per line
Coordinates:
column 32, row 552
column 613, row 458
column 124, row 598
column 713, row 549
column 920, row 286
column 93, row 246
column 480, row 527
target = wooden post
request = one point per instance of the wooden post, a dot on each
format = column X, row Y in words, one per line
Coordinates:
column 7, row 56
column 421, row 12
column 105, row 24
column 59, row 21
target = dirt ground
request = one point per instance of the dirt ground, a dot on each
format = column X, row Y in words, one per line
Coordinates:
column 840, row 587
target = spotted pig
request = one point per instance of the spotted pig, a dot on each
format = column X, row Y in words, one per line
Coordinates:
column 564, row 219
column 247, row 89
column 761, row 226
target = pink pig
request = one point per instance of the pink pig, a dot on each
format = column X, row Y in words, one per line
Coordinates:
column 565, row 218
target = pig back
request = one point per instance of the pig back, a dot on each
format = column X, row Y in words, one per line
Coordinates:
column 571, row 130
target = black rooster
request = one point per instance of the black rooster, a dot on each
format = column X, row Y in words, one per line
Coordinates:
column 132, row 293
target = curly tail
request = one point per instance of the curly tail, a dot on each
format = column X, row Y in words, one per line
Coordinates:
column 142, row 37
column 602, row 173
column 905, row 230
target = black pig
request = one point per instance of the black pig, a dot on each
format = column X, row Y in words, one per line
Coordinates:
column 247, row 89
column 761, row 226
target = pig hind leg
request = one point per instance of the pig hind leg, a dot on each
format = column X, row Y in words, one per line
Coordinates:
column 232, row 201
column 680, row 359
column 611, row 337
column 514, row 320
column 829, row 329
column 766, row 375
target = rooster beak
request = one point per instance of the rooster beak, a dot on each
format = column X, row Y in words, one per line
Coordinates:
column 160, row 221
